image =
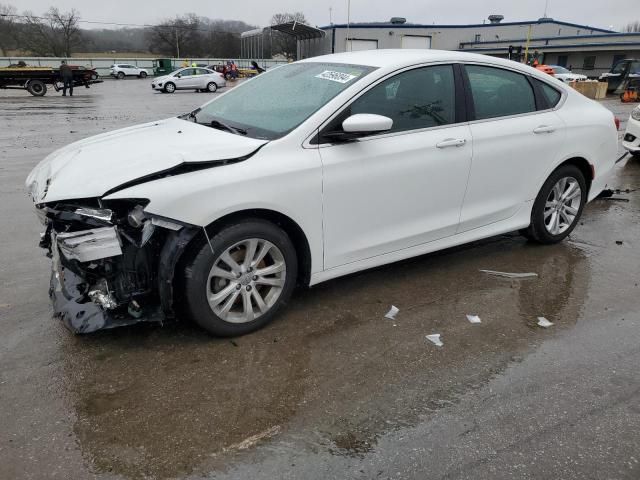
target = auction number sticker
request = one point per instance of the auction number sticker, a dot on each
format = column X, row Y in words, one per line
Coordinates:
column 336, row 76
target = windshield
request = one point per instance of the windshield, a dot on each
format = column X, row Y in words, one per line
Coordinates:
column 272, row 104
column 557, row 69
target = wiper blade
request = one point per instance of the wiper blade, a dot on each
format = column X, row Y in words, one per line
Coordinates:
column 223, row 126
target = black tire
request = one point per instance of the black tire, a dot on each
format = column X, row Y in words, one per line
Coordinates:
column 37, row 88
column 197, row 268
column 537, row 230
column 120, row 75
column 212, row 87
column 143, row 74
column 169, row 87
column 635, row 155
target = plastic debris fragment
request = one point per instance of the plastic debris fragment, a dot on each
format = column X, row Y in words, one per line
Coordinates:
column 544, row 323
column 474, row 319
column 435, row 339
column 510, row 274
column 391, row 314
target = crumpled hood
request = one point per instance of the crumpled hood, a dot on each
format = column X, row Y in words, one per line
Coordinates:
column 96, row 165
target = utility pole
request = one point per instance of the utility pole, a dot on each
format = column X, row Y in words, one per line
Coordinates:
column 330, row 18
column 348, row 22
column 177, row 43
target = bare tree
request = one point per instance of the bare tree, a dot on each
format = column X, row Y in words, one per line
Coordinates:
column 632, row 27
column 54, row 33
column 7, row 28
column 181, row 36
column 66, row 28
column 281, row 42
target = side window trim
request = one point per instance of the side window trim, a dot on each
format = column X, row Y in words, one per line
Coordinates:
column 539, row 96
column 460, row 108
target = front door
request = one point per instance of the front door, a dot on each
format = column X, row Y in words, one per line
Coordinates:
column 404, row 187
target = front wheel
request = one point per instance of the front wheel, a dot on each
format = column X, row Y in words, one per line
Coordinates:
column 249, row 278
column 120, row 75
column 212, row 87
column 558, row 206
column 169, row 87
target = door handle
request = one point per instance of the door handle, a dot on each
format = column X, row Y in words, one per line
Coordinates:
column 451, row 142
column 544, row 129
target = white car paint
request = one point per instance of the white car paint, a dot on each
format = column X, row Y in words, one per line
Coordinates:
column 567, row 76
column 361, row 204
column 631, row 139
column 190, row 78
column 128, row 70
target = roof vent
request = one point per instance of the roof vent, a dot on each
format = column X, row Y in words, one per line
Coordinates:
column 398, row 20
column 496, row 18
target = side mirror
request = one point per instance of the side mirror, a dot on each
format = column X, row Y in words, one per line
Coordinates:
column 179, row 75
column 366, row 123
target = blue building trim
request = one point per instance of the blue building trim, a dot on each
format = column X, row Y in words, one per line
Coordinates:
column 555, row 47
column 477, row 25
column 562, row 37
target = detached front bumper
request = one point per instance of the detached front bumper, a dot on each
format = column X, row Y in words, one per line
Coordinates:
column 106, row 275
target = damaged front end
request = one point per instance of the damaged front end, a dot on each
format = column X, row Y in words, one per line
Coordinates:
column 112, row 263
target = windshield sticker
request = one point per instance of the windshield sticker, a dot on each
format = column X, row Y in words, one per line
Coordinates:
column 336, row 76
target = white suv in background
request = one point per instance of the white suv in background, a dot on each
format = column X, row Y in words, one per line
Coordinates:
column 121, row 70
column 631, row 139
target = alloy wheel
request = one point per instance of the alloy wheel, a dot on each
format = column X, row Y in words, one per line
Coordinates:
column 562, row 205
column 246, row 280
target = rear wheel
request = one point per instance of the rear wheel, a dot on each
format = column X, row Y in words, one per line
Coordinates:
column 558, row 206
column 143, row 74
column 169, row 87
column 212, row 87
column 120, row 75
column 37, row 88
column 245, row 283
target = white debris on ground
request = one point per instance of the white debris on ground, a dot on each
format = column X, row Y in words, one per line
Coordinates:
column 435, row 339
column 391, row 314
column 544, row 323
column 510, row 274
column 474, row 319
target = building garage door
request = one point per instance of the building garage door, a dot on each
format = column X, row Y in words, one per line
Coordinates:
column 355, row 45
column 415, row 41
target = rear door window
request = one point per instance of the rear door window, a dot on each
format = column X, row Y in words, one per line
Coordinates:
column 499, row 93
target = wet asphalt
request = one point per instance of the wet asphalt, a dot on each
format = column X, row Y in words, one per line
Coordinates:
column 331, row 389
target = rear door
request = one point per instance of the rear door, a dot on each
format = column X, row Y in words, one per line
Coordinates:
column 515, row 137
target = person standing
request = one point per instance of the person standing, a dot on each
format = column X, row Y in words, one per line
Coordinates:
column 66, row 75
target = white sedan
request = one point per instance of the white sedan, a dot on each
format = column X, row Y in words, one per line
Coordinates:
column 190, row 78
column 567, row 76
column 631, row 139
column 312, row 171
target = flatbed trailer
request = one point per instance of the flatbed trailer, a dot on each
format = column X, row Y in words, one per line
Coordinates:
column 35, row 79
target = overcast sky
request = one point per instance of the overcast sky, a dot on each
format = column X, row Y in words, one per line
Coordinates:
column 614, row 13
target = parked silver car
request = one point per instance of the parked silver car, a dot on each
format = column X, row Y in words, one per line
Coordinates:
column 190, row 78
column 121, row 70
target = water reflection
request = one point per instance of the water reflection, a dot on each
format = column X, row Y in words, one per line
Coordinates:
column 332, row 371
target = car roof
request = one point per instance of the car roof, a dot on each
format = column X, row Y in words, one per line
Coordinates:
column 398, row 58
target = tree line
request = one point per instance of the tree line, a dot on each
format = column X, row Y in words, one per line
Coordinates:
column 59, row 34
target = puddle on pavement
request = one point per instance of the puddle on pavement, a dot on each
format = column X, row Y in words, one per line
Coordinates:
column 163, row 402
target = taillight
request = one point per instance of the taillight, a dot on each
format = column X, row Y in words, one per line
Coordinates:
column 616, row 120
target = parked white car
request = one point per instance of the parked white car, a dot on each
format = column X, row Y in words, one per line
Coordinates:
column 631, row 139
column 122, row 70
column 308, row 172
column 567, row 76
column 190, row 78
